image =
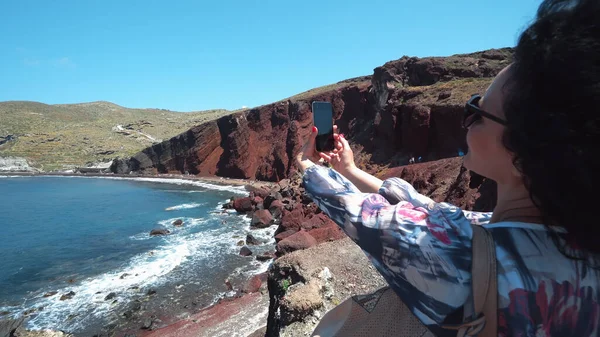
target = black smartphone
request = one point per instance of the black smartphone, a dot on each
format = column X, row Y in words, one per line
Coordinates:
column 323, row 120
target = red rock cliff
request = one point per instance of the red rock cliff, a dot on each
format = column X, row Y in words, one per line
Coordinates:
column 409, row 108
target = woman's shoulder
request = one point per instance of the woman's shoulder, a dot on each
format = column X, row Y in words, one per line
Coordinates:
column 536, row 280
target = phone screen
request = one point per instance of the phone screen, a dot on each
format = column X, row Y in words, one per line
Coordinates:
column 323, row 120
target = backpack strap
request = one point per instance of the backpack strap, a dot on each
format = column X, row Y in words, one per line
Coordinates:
column 485, row 288
column 485, row 280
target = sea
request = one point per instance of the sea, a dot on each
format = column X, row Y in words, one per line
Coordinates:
column 76, row 252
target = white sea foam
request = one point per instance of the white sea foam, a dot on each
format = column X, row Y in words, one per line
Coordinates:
column 151, row 269
column 228, row 188
column 88, row 302
column 239, row 190
column 184, row 206
column 168, row 223
column 144, row 270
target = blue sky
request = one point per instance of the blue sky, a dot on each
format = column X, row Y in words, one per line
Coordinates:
column 197, row 55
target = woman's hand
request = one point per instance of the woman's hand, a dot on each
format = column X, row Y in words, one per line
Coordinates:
column 308, row 154
column 342, row 157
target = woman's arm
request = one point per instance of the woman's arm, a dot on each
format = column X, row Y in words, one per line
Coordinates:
column 342, row 160
column 365, row 182
column 422, row 248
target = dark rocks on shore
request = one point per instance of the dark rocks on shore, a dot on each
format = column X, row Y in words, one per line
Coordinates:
column 151, row 292
column 276, row 208
column 243, row 205
column 265, row 256
column 240, row 243
column 261, row 219
column 178, row 223
column 284, row 234
column 110, row 296
column 159, row 231
column 228, row 285
column 257, row 203
column 252, row 241
column 150, row 323
column 245, row 251
column 229, row 204
column 32, row 311
column 67, row 296
column 134, row 307
column 297, row 241
column 272, row 197
column 329, row 232
column 262, row 192
column 124, row 275
column 255, row 283
column 50, row 293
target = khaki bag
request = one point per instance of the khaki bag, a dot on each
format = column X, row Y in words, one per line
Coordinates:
column 382, row 313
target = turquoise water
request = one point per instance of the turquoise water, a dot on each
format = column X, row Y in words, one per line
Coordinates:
column 91, row 236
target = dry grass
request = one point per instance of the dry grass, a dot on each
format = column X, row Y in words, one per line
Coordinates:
column 312, row 92
column 62, row 136
column 460, row 90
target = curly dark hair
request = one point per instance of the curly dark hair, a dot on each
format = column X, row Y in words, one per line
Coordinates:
column 552, row 108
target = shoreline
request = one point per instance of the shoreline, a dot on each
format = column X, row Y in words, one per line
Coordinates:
column 248, row 183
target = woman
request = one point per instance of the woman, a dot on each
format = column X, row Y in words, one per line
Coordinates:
column 536, row 132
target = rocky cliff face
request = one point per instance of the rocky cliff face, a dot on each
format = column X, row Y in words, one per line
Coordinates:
column 409, row 108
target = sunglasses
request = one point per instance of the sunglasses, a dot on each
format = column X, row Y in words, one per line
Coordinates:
column 473, row 113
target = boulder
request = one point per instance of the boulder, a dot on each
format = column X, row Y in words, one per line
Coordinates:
column 243, row 205
column 330, row 232
column 253, row 285
column 67, row 296
column 245, row 251
column 285, row 234
column 50, row 293
column 272, row 197
column 292, row 219
column 297, row 241
column 240, row 243
column 159, row 231
column 252, row 241
column 257, row 203
column 28, row 312
column 259, row 192
column 265, row 256
column 276, row 208
column 261, row 219
column 110, row 296
column 229, row 204
column 178, row 223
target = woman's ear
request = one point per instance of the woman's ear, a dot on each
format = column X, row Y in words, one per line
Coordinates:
column 516, row 169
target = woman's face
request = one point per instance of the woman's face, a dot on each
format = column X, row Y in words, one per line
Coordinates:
column 487, row 156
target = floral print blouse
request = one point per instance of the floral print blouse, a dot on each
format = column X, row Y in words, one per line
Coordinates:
column 423, row 250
